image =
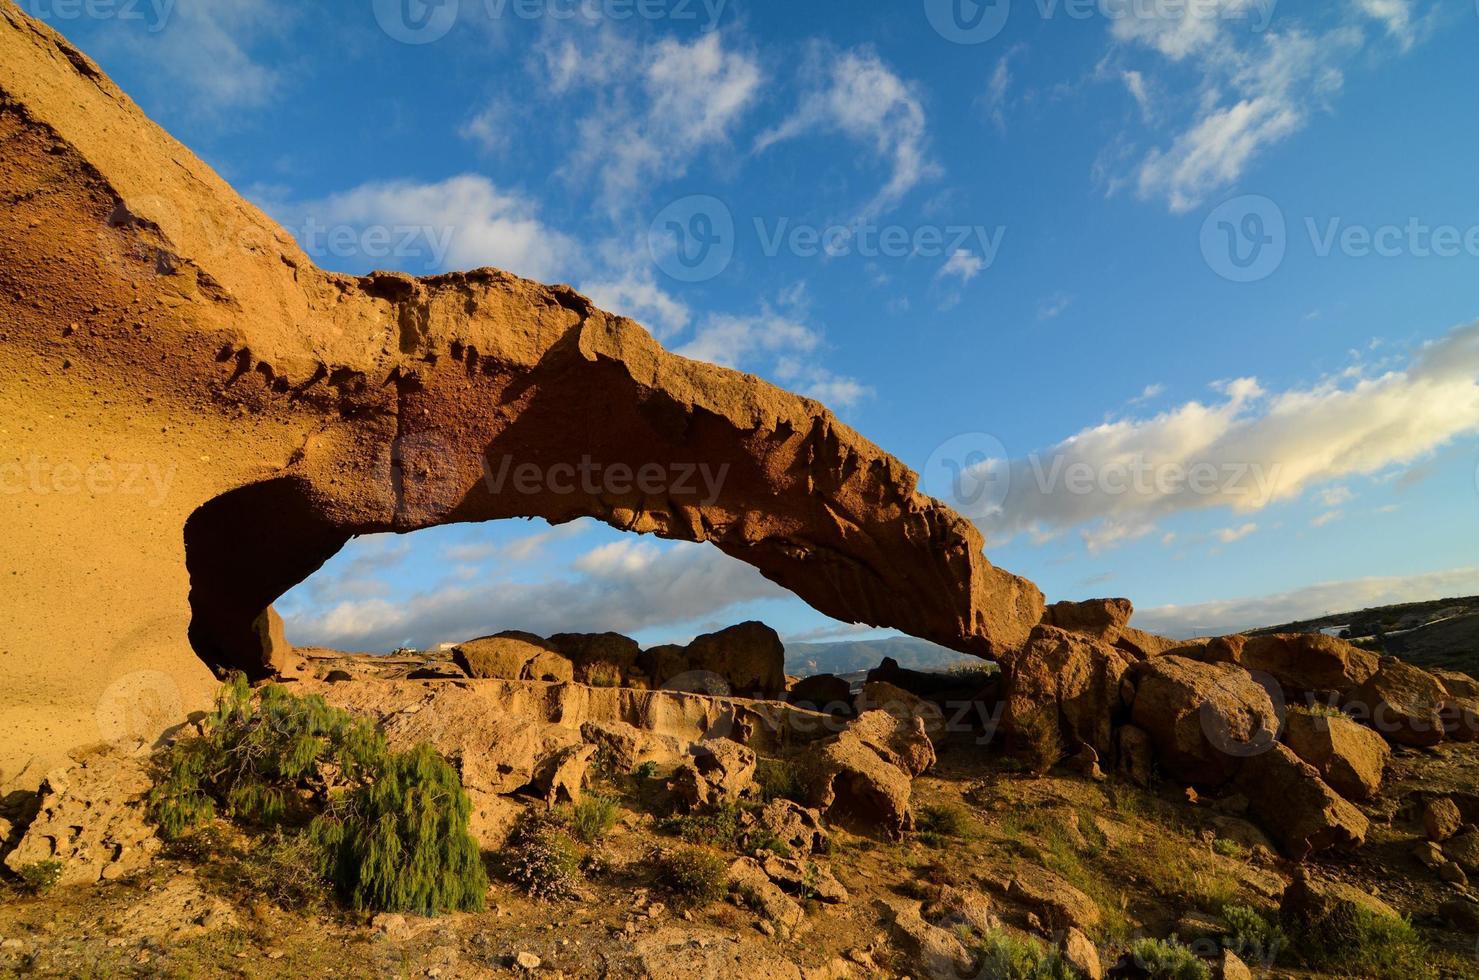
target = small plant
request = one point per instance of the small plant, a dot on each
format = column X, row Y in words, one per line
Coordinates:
column 1362, row 942
column 543, row 860
column 593, row 817
column 718, row 828
column 1252, row 935
column 40, row 877
column 945, row 819
column 286, row 868
column 1041, row 741
column 777, row 780
column 1162, row 959
column 1001, row 954
column 693, row 876
column 1319, row 709
column 647, row 770
column 1229, row 848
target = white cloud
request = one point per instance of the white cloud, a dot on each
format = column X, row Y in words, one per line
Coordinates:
column 1231, row 616
column 462, row 222
column 636, row 294
column 1111, row 534
column 813, row 381
column 519, row 549
column 1251, row 448
column 729, row 340
column 1139, row 90
column 624, row 586
column 494, row 127
column 1335, row 496
column 963, row 264
column 1228, row 535
column 656, row 107
column 201, row 59
column 1148, row 393
column 1054, row 306
column 1395, row 16
column 1329, row 517
column 997, row 99
column 855, row 93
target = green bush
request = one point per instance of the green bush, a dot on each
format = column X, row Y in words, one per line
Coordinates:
column 1366, row 944
column 1162, row 959
column 692, row 876
column 40, row 877
column 1229, row 848
column 1252, row 935
column 593, row 817
column 777, row 780
column 719, row 827
column 287, row 868
column 390, row 827
column 945, row 819
column 1040, row 741
column 1002, row 955
column 542, row 859
column 647, row 770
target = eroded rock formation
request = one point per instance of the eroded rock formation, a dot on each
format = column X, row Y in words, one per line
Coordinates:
column 196, row 418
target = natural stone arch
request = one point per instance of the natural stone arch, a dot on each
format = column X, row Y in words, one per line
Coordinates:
column 150, row 317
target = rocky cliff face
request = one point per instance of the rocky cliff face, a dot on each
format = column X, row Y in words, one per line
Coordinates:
column 195, row 418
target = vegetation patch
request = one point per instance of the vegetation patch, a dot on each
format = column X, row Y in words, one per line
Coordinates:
column 593, row 817
column 692, row 876
column 1002, row 954
column 1161, row 959
column 542, row 859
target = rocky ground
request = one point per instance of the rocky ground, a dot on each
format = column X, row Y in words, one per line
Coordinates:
column 914, row 828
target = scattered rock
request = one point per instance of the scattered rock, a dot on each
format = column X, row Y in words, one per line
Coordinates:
column 861, row 777
column 749, row 880
column 1462, row 913
column 902, row 704
column 1452, row 873
column 1230, row 967
column 1204, row 719
column 1291, row 801
column 1348, row 756
column 562, row 775
column 1402, row 702
column 1441, row 818
column 955, row 907
column 1061, row 905
column 92, row 818
column 514, row 656
column 1303, row 663
column 1429, row 855
column 936, row 951
column 796, row 826
column 902, row 741
column 1082, row 955
column 1463, row 850
column 1322, row 912
column 527, row 961
column 808, row 879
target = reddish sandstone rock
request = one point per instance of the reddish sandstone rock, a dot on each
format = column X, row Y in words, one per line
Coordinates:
column 862, row 776
column 513, row 656
column 1402, row 702
column 1348, row 756
column 298, row 407
column 1203, row 719
column 1108, row 621
column 1070, row 677
column 1297, row 808
column 1303, row 663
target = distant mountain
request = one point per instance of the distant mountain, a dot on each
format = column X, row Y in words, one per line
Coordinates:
column 848, row 656
column 1436, row 633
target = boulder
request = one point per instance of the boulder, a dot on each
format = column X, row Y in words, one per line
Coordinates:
column 749, row 656
column 748, row 879
column 507, row 754
column 860, row 778
column 719, row 770
column 797, row 827
column 1348, row 756
column 1303, row 663
column 300, row 407
column 1136, row 755
column 807, row 879
column 1462, row 913
column 935, row 951
column 1070, row 677
column 1298, row 809
column 1441, row 818
column 1082, row 955
column 1059, row 904
column 513, row 656
column 1231, row 967
column 1324, row 913
column 1101, row 619
column 938, row 686
column 1204, row 719
column 562, row 775
column 1463, row 850
column 628, row 746
column 1402, row 702
column 492, row 819
column 901, row 704
column 822, row 692
column 954, row 908
column 600, row 659
column 1457, row 684
column 92, row 818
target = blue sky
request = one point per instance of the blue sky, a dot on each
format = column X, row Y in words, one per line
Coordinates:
column 1076, row 254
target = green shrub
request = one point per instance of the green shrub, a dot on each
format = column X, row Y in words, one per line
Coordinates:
column 647, row 770
column 1252, row 935
column 1162, row 959
column 543, row 860
column 777, row 780
column 692, row 876
column 390, row 827
column 593, row 817
column 1041, row 741
column 287, row 868
column 719, row 827
column 1367, row 944
column 401, row 842
column 944, row 819
column 40, row 877
column 1002, row 955
column 1229, row 848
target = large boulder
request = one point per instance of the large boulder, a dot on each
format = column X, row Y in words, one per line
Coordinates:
column 1402, row 702
column 1203, row 719
column 1304, row 664
column 822, row 692
column 719, row 770
column 252, row 413
column 1297, row 808
column 1108, row 621
column 600, row 659
column 1328, row 914
column 862, row 776
column 902, row 704
column 747, row 660
column 1350, row 757
column 1071, row 680
column 513, row 656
